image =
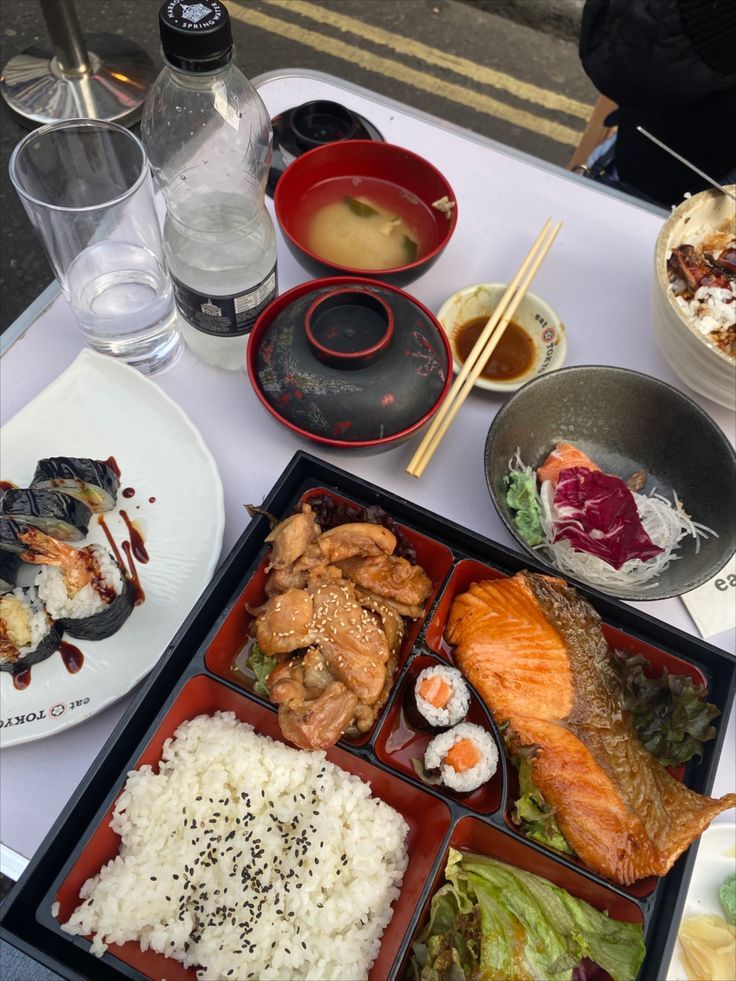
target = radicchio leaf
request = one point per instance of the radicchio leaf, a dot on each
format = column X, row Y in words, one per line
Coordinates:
column 596, row 512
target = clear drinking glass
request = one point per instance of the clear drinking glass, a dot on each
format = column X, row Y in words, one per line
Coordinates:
column 87, row 190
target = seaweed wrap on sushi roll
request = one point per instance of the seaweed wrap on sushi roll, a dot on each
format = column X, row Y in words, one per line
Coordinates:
column 54, row 513
column 93, row 482
column 464, row 758
column 84, row 588
column 10, row 532
column 9, row 564
column 27, row 633
column 438, row 699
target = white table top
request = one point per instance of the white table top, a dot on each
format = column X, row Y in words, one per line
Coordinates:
column 597, row 277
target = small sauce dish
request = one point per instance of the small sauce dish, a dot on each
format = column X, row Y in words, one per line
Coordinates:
column 534, row 343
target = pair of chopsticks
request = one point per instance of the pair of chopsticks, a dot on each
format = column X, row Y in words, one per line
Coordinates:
column 483, row 348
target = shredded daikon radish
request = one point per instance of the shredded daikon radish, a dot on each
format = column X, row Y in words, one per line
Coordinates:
column 666, row 524
column 708, row 948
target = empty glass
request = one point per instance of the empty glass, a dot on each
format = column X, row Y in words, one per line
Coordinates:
column 87, row 190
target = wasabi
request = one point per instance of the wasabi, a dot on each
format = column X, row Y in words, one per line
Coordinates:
column 727, row 896
column 522, row 498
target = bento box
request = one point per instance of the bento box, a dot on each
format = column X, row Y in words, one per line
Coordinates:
column 203, row 672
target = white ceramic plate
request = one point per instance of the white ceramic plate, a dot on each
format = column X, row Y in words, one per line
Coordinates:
column 99, row 408
column 712, row 866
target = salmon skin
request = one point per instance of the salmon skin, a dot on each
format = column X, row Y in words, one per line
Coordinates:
column 535, row 652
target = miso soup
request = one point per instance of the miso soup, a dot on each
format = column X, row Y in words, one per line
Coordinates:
column 365, row 223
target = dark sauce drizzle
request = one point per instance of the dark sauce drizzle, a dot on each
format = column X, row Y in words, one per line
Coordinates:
column 135, row 582
column 136, row 539
column 6, row 485
column 22, row 679
column 72, row 657
column 128, row 492
column 151, row 500
column 111, row 541
column 113, row 464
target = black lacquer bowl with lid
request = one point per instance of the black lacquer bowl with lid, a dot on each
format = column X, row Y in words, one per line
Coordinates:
column 350, row 363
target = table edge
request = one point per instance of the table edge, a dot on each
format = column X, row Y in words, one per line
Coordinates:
column 468, row 134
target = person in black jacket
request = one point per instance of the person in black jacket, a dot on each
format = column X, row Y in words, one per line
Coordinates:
column 671, row 67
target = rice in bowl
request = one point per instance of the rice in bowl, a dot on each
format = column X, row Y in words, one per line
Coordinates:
column 248, row 859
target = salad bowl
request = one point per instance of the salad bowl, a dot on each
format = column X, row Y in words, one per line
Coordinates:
column 627, row 423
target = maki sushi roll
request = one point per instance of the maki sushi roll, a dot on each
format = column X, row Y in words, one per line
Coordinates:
column 27, row 633
column 52, row 512
column 84, row 588
column 93, row 482
column 463, row 759
column 438, row 700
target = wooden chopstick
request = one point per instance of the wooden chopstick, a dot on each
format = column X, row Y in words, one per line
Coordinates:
column 482, row 350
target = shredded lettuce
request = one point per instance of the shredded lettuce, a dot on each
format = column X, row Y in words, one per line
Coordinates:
column 491, row 920
column 671, row 714
column 261, row 665
column 531, row 811
column 522, row 498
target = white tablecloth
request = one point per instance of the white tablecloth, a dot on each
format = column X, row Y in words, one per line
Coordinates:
column 597, row 277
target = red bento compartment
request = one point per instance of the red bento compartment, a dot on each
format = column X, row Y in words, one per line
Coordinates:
column 427, row 817
column 463, row 576
column 232, row 642
column 398, row 742
column 473, row 835
column 469, row 571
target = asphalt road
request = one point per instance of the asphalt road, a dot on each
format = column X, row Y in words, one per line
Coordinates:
column 463, row 62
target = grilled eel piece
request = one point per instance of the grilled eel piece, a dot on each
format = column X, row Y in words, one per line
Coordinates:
column 535, row 651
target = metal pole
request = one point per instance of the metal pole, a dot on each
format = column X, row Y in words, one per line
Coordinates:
column 66, row 36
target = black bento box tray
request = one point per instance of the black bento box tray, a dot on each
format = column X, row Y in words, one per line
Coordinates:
column 26, row 920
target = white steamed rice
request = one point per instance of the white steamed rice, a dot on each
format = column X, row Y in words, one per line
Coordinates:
column 459, row 703
column 473, row 778
column 306, row 865
column 88, row 601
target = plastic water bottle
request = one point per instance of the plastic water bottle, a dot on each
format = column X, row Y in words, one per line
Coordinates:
column 208, row 138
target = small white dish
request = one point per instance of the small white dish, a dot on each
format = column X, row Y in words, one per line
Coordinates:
column 100, row 407
column 715, row 861
column 536, row 318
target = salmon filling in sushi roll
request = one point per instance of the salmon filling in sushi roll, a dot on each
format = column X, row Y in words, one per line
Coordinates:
column 465, row 758
column 439, row 699
column 27, row 633
column 84, row 588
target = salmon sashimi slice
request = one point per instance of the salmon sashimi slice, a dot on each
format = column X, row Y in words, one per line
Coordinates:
column 535, row 652
column 563, row 457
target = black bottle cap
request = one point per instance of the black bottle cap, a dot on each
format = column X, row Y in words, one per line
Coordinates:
column 195, row 37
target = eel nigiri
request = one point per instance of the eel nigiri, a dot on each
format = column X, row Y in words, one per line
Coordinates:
column 535, row 652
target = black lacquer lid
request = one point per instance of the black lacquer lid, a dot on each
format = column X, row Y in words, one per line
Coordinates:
column 195, row 37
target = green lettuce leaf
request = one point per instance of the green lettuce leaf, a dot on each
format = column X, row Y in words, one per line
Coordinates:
column 522, row 498
column 261, row 665
column 529, row 928
column 531, row 811
column 670, row 713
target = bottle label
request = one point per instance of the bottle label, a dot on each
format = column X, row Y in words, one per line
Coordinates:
column 225, row 316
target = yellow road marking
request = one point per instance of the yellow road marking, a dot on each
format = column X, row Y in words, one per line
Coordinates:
column 402, row 73
column 439, row 58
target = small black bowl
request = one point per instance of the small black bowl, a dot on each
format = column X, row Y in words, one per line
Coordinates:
column 626, row 421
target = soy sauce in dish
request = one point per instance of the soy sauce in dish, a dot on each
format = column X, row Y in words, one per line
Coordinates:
column 514, row 354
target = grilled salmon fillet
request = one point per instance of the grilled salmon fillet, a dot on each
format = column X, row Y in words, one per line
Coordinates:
column 535, row 652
